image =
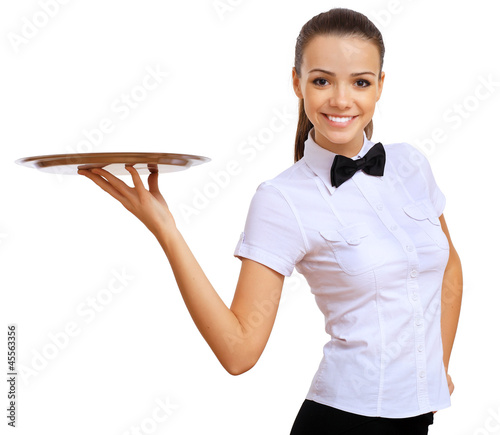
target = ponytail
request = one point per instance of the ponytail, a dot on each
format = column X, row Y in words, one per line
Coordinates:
column 369, row 130
column 303, row 127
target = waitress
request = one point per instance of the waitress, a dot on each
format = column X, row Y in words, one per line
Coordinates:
column 363, row 223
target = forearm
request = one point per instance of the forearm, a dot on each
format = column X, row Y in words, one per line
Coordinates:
column 212, row 317
column 451, row 301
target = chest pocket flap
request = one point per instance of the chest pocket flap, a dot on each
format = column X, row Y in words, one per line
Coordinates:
column 355, row 247
column 421, row 211
column 424, row 215
column 352, row 234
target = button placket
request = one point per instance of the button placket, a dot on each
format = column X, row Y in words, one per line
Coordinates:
column 413, row 291
column 418, row 318
column 419, row 328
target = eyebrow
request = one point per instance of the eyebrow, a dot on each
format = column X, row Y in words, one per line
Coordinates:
column 333, row 74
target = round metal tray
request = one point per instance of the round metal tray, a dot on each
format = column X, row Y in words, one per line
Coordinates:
column 115, row 163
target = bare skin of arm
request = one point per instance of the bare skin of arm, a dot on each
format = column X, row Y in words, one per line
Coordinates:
column 451, row 301
column 237, row 335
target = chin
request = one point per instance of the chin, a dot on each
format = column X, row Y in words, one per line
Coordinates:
column 340, row 137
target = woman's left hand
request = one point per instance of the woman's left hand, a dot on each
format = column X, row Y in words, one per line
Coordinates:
column 451, row 386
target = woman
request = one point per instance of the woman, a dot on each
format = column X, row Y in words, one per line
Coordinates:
column 362, row 222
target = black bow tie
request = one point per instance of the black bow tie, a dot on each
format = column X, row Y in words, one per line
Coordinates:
column 344, row 168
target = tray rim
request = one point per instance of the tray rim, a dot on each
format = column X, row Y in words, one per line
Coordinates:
column 32, row 160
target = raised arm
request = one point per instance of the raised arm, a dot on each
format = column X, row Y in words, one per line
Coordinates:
column 237, row 335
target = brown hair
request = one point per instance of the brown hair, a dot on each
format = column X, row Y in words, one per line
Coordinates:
column 340, row 22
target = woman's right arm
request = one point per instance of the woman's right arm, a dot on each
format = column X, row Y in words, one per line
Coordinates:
column 237, row 335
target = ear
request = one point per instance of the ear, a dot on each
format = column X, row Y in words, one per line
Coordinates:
column 296, row 83
column 380, row 85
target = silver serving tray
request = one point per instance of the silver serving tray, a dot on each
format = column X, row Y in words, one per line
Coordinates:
column 115, row 163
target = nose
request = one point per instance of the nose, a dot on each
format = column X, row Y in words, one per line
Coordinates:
column 341, row 97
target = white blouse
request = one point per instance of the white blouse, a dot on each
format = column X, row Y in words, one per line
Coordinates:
column 374, row 255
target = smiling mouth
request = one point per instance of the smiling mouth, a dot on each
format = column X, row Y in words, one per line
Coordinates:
column 340, row 121
column 340, row 118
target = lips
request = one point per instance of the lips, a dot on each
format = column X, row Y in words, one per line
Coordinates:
column 339, row 118
column 339, row 121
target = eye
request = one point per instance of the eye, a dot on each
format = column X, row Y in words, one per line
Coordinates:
column 362, row 83
column 320, row 82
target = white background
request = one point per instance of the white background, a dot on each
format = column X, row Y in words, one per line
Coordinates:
column 62, row 239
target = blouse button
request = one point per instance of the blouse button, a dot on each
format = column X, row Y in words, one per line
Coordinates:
column 409, row 248
column 420, row 347
column 422, row 374
column 394, row 227
column 380, row 207
column 413, row 273
column 414, row 296
column 354, row 242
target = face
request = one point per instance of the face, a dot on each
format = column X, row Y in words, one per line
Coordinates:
column 340, row 86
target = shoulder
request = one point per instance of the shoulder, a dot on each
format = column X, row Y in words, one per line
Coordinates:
column 402, row 148
column 406, row 156
column 411, row 166
column 288, row 180
column 278, row 196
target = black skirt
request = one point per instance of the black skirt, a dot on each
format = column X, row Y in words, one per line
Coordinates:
column 318, row 419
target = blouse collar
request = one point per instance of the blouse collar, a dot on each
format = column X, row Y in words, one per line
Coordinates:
column 320, row 159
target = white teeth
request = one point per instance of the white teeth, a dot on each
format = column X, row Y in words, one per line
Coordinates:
column 334, row 119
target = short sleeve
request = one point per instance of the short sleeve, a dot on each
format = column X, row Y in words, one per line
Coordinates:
column 272, row 234
column 436, row 196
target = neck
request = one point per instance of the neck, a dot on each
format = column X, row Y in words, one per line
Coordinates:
column 350, row 149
